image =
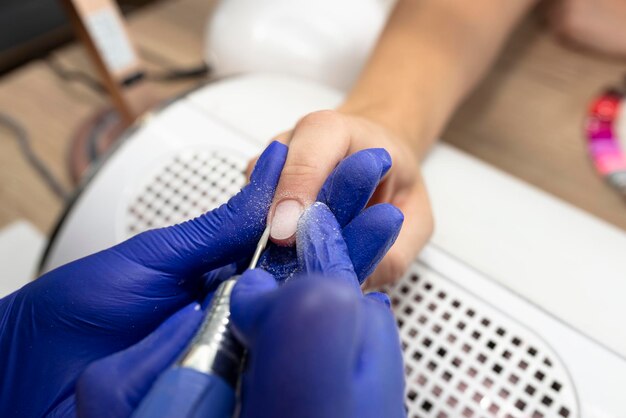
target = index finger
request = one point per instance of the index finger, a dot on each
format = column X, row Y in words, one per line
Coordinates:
column 318, row 143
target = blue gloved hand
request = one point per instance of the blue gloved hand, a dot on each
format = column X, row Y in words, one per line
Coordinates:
column 54, row 327
column 371, row 234
column 346, row 192
column 109, row 301
column 340, row 349
column 317, row 347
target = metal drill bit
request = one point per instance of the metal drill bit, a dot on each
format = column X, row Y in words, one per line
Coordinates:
column 214, row 348
column 259, row 248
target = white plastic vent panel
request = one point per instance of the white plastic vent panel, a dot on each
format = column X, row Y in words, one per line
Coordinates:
column 191, row 183
column 464, row 358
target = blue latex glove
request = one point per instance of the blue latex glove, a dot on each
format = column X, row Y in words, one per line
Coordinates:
column 52, row 328
column 317, row 347
column 319, row 331
column 371, row 235
column 346, row 192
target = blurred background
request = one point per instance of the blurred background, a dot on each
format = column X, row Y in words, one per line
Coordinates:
column 32, row 28
column 526, row 118
column 49, row 85
column 78, row 76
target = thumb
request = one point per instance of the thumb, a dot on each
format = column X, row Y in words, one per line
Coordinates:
column 115, row 385
column 321, row 247
column 252, row 296
column 218, row 237
column 380, row 364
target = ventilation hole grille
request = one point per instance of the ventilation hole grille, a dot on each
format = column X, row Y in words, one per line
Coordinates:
column 465, row 359
column 190, row 184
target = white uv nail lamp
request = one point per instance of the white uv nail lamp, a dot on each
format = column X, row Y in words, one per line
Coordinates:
column 515, row 309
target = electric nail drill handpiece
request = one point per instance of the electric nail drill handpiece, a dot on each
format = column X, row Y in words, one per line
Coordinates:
column 203, row 382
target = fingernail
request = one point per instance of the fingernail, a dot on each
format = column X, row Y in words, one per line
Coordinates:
column 285, row 220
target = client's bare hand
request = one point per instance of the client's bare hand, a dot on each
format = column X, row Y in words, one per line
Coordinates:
column 317, row 144
column 596, row 24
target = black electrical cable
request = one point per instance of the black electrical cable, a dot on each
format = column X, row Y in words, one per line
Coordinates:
column 40, row 167
column 201, row 70
column 169, row 71
column 75, row 75
column 165, row 75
